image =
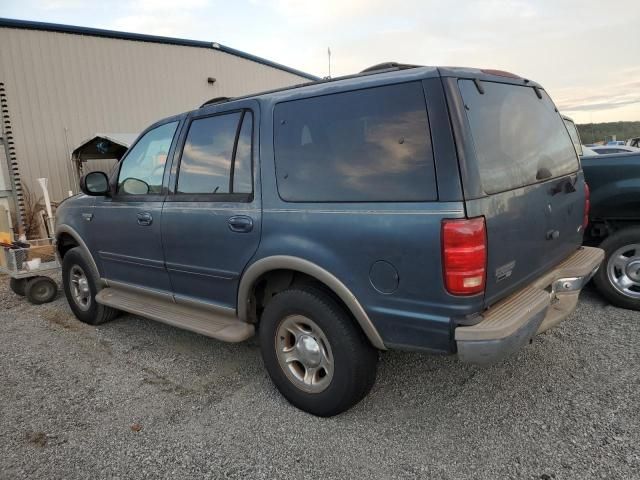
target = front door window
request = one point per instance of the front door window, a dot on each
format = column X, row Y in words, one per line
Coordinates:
column 142, row 169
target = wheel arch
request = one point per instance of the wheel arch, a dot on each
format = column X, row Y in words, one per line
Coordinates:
column 264, row 266
column 600, row 229
column 67, row 238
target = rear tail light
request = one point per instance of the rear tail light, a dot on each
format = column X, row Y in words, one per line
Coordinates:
column 587, row 206
column 464, row 255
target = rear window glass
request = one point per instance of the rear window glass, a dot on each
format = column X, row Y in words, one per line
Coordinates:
column 366, row 145
column 520, row 139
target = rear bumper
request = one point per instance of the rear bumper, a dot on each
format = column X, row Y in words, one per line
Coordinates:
column 513, row 321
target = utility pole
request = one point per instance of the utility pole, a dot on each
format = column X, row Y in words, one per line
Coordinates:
column 329, row 55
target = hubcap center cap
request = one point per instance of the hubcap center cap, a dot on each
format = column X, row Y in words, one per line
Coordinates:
column 309, row 351
column 633, row 270
column 84, row 286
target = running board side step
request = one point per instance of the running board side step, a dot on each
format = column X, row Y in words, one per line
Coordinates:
column 220, row 325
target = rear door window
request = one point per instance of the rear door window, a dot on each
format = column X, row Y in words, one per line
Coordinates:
column 359, row 146
column 205, row 166
column 216, row 158
column 519, row 138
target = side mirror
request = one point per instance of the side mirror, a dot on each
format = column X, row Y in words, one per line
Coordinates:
column 95, row 184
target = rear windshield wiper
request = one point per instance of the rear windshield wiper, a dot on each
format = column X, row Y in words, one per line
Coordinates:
column 538, row 92
column 479, row 86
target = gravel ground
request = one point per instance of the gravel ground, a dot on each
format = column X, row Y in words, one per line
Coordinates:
column 138, row 399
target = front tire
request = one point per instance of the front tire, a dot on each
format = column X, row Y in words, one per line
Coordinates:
column 316, row 356
column 81, row 284
column 618, row 278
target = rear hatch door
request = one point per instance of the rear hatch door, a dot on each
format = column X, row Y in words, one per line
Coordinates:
column 528, row 173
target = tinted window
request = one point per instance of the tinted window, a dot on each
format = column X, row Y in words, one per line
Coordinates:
column 242, row 177
column 143, row 167
column 205, row 166
column 519, row 138
column 367, row 145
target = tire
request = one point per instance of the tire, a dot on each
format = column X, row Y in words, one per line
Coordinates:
column 39, row 290
column 347, row 358
column 76, row 265
column 621, row 242
column 18, row 285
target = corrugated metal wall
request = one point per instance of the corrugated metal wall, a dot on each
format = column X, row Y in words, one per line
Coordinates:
column 63, row 88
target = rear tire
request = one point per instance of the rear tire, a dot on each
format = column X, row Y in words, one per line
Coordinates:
column 621, row 267
column 316, row 355
column 81, row 284
column 18, row 285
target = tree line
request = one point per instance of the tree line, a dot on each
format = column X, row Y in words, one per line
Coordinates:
column 596, row 132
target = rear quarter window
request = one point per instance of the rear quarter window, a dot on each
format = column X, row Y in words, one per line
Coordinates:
column 359, row 146
column 519, row 138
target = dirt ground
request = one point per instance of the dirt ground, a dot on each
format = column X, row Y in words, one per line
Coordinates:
column 138, row 399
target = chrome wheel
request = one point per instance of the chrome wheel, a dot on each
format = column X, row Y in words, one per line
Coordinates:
column 304, row 353
column 80, row 291
column 623, row 270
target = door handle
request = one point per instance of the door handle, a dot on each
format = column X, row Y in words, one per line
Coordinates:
column 240, row 223
column 145, row 219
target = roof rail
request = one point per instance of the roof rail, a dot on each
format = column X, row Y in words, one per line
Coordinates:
column 388, row 66
column 216, row 100
column 380, row 68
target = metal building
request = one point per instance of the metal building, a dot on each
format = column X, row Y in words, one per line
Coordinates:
column 60, row 85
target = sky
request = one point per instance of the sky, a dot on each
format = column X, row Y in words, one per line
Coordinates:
column 585, row 53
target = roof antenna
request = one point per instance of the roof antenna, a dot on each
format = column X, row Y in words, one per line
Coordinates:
column 329, row 54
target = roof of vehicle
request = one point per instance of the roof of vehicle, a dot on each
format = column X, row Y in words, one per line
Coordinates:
column 378, row 75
